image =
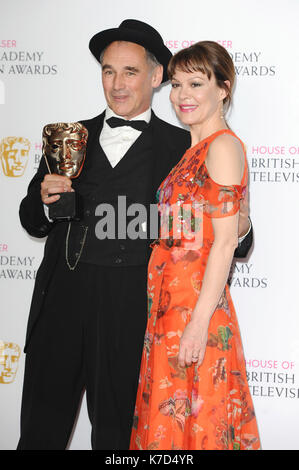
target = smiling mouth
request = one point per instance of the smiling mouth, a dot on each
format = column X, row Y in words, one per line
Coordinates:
column 187, row 108
column 120, row 98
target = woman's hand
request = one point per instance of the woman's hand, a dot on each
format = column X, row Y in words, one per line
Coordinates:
column 193, row 343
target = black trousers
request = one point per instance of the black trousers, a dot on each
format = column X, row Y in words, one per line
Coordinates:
column 89, row 336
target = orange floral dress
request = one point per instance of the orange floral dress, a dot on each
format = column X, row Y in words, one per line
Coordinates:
column 193, row 408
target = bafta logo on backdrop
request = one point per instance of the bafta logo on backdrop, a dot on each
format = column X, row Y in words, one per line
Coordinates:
column 14, row 154
column 9, row 361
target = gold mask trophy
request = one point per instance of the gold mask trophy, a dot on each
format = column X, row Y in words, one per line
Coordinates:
column 64, row 150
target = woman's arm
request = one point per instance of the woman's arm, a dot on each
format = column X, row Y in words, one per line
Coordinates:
column 194, row 338
column 225, row 163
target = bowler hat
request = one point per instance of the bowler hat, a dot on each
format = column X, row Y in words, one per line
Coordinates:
column 133, row 31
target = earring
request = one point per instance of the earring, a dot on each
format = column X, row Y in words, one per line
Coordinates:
column 221, row 112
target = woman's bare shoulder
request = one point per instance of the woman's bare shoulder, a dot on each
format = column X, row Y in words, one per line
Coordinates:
column 225, row 159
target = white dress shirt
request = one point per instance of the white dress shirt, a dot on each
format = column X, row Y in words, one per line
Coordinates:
column 116, row 141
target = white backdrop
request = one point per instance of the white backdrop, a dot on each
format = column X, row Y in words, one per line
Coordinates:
column 47, row 74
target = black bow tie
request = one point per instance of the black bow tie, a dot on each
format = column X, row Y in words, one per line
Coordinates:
column 117, row 122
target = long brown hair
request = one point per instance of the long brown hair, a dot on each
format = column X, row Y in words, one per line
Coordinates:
column 207, row 57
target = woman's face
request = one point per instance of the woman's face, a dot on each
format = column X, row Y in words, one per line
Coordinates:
column 196, row 98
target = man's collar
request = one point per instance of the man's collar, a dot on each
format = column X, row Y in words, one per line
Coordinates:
column 146, row 116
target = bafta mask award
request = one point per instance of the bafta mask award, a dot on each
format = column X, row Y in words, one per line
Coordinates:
column 64, row 150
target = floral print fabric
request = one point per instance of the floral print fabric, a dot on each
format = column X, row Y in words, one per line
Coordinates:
column 193, row 408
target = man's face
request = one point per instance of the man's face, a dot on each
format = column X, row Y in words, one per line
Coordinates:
column 14, row 155
column 65, row 152
column 128, row 78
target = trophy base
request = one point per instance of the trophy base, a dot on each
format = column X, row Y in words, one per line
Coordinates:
column 68, row 207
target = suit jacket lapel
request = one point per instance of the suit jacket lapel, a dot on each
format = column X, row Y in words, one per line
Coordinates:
column 94, row 127
column 164, row 152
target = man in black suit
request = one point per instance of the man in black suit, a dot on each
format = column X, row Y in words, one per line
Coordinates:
column 88, row 311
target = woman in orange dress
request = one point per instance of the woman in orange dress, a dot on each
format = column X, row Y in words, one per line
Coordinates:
column 193, row 393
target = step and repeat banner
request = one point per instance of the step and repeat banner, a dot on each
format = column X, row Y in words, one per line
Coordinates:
column 47, row 74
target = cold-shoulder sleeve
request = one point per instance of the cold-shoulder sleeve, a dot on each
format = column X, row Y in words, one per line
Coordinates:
column 218, row 200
